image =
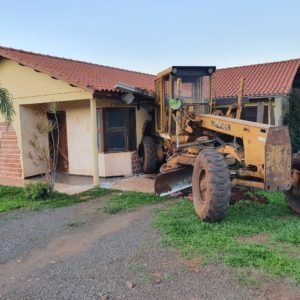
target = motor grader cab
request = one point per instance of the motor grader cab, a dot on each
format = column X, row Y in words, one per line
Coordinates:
column 195, row 146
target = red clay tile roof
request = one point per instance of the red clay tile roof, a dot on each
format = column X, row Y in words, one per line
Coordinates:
column 260, row 80
column 274, row 78
column 82, row 74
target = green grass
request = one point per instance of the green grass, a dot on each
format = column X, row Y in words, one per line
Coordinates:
column 12, row 198
column 96, row 192
column 125, row 201
column 221, row 242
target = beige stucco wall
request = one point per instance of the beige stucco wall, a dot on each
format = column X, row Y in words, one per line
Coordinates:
column 115, row 164
column 78, row 119
column 29, row 116
column 79, row 145
column 79, row 142
column 29, row 87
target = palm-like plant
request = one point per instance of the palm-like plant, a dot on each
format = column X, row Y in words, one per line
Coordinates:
column 6, row 105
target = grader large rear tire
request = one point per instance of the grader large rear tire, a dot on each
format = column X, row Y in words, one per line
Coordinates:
column 211, row 186
column 148, row 155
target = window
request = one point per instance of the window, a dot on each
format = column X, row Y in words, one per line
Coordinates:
column 116, row 129
column 249, row 113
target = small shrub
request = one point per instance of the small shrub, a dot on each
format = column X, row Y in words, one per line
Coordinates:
column 37, row 191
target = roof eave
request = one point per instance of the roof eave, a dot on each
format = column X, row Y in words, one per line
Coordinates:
column 253, row 96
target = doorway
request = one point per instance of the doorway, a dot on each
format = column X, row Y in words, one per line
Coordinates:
column 60, row 136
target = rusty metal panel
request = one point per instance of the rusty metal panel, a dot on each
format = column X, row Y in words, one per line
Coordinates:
column 278, row 159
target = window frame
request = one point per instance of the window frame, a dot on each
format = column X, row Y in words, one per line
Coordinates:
column 129, row 130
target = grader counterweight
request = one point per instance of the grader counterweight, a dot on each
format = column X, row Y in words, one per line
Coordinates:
column 199, row 147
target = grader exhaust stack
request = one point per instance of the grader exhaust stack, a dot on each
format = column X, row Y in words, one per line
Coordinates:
column 200, row 149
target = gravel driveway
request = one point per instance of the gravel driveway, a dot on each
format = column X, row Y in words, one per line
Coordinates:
column 79, row 252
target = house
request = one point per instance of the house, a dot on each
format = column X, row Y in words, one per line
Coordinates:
column 103, row 111
column 100, row 131
column 266, row 86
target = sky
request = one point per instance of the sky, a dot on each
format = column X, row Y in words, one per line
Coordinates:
column 149, row 36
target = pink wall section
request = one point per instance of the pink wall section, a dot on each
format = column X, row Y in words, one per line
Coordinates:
column 10, row 165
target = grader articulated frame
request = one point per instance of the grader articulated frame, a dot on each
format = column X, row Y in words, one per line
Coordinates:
column 199, row 147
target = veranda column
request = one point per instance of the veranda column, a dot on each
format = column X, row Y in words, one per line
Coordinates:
column 94, row 142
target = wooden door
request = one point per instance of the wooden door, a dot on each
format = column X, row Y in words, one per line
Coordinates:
column 61, row 134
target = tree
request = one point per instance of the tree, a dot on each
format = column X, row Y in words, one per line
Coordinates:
column 292, row 119
column 44, row 154
column 6, row 105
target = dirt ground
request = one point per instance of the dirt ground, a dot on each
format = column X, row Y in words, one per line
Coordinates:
column 145, row 183
column 241, row 193
column 80, row 252
column 138, row 183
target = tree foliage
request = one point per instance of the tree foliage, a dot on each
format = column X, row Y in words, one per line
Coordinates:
column 6, row 104
column 44, row 144
column 292, row 119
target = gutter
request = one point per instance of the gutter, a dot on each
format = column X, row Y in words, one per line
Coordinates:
column 133, row 90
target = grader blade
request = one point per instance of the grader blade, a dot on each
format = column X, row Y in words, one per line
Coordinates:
column 293, row 195
column 173, row 181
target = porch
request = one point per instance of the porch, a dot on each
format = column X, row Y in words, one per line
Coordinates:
column 74, row 184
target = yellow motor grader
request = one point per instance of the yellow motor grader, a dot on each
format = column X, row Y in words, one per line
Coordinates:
column 195, row 146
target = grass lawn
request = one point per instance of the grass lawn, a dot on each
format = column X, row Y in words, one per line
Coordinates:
column 124, row 201
column 12, row 198
column 253, row 235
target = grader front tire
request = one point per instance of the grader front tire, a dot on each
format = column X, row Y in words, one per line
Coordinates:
column 211, row 186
